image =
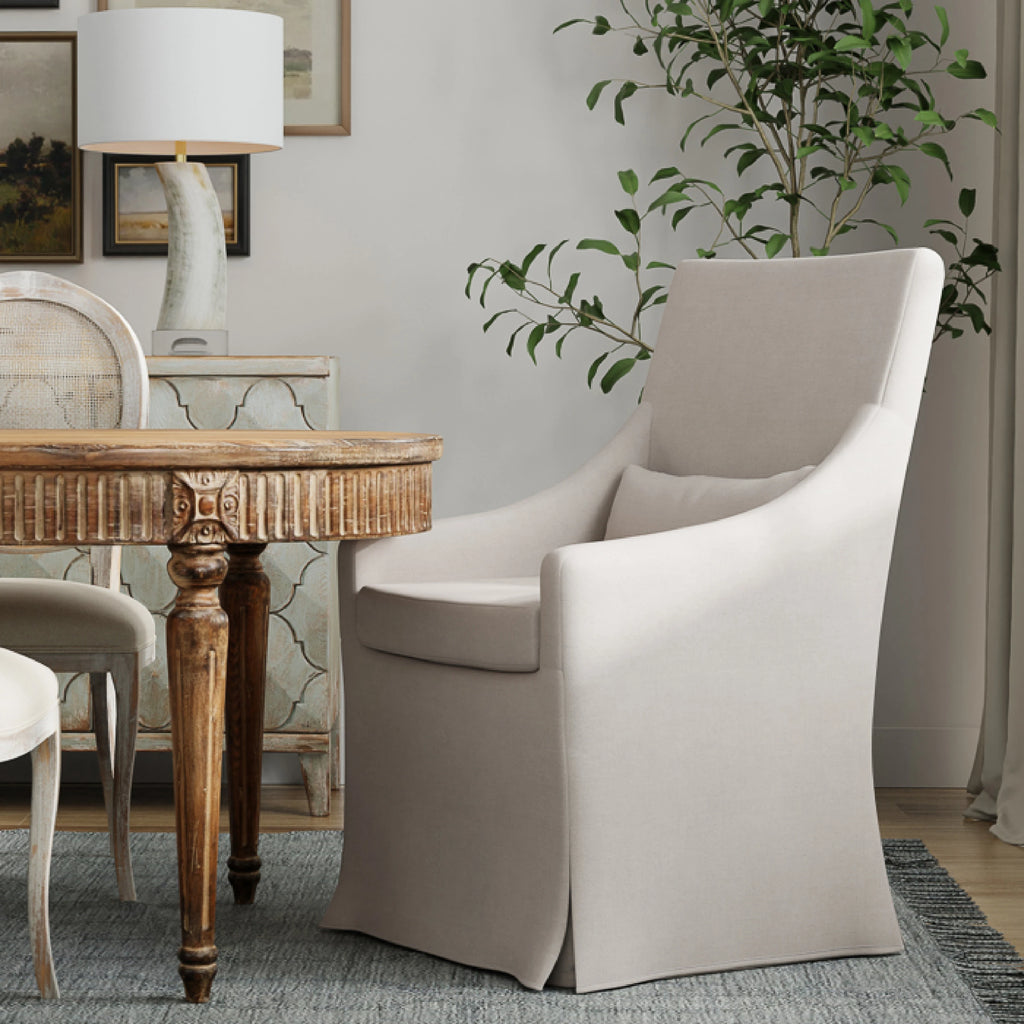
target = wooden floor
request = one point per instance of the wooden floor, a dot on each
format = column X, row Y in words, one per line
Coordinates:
column 990, row 870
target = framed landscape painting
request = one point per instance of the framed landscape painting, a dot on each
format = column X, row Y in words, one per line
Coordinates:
column 316, row 63
column 135, row 209
column 40, row 166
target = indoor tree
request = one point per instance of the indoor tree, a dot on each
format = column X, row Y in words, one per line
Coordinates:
column 815, row 103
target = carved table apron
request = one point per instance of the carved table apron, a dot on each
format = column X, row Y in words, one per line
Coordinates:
column 216, row 499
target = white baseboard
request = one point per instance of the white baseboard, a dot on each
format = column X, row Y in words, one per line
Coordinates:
column 922, row 756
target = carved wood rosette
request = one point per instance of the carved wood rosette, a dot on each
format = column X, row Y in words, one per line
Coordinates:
column 205, row 507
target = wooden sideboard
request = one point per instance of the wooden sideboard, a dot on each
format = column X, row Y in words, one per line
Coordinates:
column 302, row 695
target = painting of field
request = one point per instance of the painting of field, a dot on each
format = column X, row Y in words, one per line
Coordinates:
column 142, row 210
column 40, row 201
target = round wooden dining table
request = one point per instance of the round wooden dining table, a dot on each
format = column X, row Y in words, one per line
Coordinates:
column 215, row 499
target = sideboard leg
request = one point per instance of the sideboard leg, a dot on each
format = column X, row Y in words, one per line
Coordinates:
column 197, row 646
column 245, row 596
column 316, row 777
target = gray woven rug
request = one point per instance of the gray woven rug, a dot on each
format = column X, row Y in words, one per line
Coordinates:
column 116, row 961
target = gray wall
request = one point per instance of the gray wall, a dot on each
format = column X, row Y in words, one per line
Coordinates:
column 471, row 139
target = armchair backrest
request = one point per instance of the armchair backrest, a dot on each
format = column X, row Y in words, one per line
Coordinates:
column 760, row 365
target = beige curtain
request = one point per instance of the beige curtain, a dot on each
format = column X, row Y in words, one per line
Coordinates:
column 998, row 776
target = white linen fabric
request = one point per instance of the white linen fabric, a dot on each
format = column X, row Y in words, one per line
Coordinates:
column 683, row 784
column 648, row 502
column 997, row 779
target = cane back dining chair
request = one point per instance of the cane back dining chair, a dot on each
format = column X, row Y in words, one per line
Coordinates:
column 621, row 730
column 30, row 723
column 69, row 360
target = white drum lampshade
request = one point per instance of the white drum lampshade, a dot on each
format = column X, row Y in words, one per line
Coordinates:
column 173, row 81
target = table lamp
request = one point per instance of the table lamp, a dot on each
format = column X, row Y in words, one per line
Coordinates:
column 179, row 81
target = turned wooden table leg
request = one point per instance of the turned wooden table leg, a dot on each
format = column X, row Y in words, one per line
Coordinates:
column 245, row 595
column 197, row 648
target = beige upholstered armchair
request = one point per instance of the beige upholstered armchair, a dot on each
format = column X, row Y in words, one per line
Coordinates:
column 69, row 360
column 621, row 730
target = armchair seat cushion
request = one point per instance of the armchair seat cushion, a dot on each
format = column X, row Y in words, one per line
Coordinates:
column 490, row 624
column 41, row 617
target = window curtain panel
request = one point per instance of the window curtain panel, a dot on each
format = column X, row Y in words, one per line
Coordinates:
column 997, row 780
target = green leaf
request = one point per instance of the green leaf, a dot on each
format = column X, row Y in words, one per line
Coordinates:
column 750, row 157
column 930, row 117
column 981, row 114
column 629, row 181
column 807, row 151
column 901, row 50
column 533, row 341
column 819, row 252
column 888, row 228
column 554, row 253
column 774, row 245
column 845, row 184
column 627, row 90
column 946, row 235
column 592, row 372
column 966, row 201
column 470, row 272
column 969, row 69
column 601, row 25
column 600, row 244
column 616, row 372
column 666, row 172
column 595, row 94
column 530, row 257
column 573, row 21
column 944, row 22
column 639, row 47
column 867, row 10
column 489, row 323
column 632, row 261
column 764, row 6
column 933, row 149
column 629, row 219
column 851, row 43
column 566, row 297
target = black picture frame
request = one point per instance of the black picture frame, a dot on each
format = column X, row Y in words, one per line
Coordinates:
column 11, row 4
column 119, row 240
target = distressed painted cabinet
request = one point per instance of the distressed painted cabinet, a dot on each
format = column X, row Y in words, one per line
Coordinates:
column 302, row 699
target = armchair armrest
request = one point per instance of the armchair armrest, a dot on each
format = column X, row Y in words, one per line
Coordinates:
column 816, row 555
column 508, row 541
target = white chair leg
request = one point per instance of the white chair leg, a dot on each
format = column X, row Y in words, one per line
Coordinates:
column 103, row 727
column 126, row 689
column 45, row 789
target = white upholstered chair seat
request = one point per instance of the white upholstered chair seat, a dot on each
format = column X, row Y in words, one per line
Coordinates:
column 29, row 699
column 492, row 624
column 47, row 617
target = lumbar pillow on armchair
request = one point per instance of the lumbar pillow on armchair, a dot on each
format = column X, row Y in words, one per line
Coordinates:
column 649, row 502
